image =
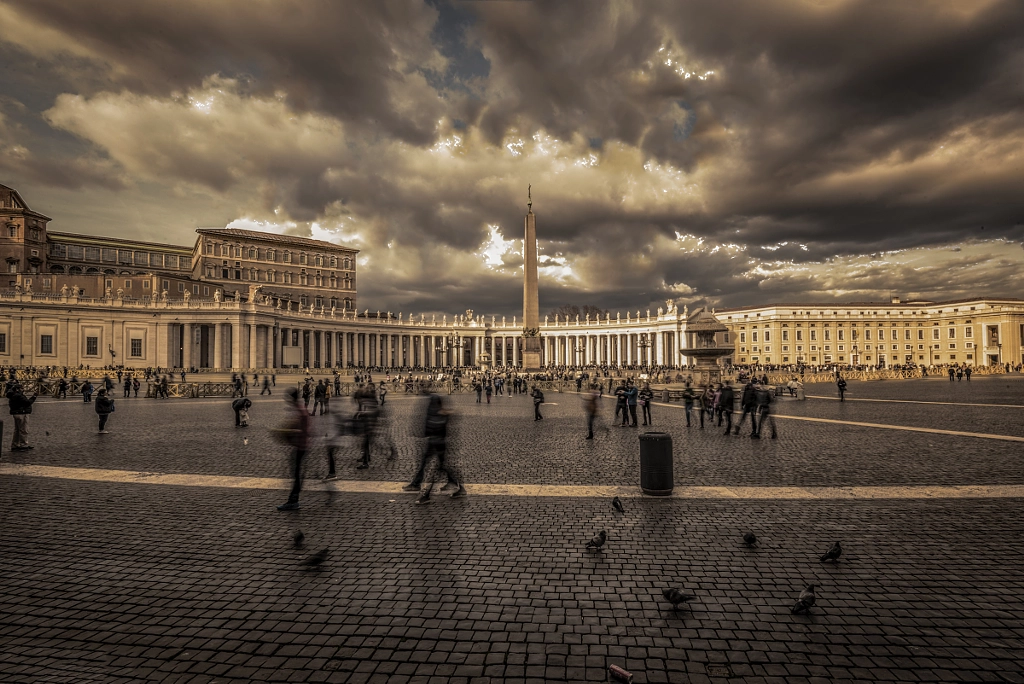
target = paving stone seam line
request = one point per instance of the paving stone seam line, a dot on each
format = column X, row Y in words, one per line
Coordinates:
column 915, row 401
column 884, row 426
column 525, row 490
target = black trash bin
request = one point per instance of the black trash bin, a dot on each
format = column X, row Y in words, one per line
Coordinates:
column 656, row 463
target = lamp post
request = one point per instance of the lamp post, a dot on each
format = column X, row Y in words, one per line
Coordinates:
column 854, row 358
column 644, row 345
column 455, row 341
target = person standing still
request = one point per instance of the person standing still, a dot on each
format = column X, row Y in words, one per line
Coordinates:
column 538, row 399
column 688, row 397
column 104, row 407
column 21, row 408
column 841, row 384
column 631, row 394
column 645, row 397
column 296, row 432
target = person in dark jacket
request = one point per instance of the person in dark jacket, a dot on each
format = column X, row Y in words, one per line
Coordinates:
column 104, row 407
column 631, row 394
column 748, row 402
column 87, row 390
column 127, row 386
column 841, row 384
column 240, row 405
column 645, row 397
column 20, row 408
column 725, row 403
column 538, row 399
column 764, row 408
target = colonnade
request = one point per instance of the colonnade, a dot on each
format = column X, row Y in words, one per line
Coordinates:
column 627, row 348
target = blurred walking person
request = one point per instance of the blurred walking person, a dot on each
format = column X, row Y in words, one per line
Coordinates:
column 590, row 399
column 435, row 429
column 295, row 433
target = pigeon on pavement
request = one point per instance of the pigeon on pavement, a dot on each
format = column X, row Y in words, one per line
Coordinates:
column 298, row 538
column 676, row 597
column 617, row 505
column 598, row 541
column 832, row 554
column 317, row 558
column 750, row 539
column 805, row 601
column 245, row 440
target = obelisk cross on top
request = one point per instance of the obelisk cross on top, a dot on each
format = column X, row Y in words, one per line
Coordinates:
column 531, row 306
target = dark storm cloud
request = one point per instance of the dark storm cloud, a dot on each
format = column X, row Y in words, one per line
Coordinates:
column 721, row 152
column 360, row 61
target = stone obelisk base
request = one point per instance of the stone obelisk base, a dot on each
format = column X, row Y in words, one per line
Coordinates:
column 531, row 354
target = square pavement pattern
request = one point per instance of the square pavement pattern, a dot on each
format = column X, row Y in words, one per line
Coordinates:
column 109, row 579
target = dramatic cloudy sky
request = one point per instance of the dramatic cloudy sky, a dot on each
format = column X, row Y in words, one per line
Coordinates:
column 722, row 151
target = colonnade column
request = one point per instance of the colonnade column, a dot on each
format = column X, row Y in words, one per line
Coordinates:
column 253, row 361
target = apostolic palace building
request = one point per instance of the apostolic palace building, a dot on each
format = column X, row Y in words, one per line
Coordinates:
column 239, row 299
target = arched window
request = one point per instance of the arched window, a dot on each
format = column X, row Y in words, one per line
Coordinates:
column 334, row 262
column 348, row 303
column 56, row 269
column 302, row 278
column 334, row 302
column 348, row 264
column 319, row 260
column 319, row 302
column 303, row 300
column 253, row 253
column 287, row 257
column 271, row 254
column 334, row 282
column 302, row 258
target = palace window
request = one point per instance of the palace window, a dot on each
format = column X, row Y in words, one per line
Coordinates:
column 92, row 346
column 271, row 255
column 319, row 260
column 348, row 303
column 767, row 336
column 3, row 343
column 952, row 345
column 302, row 258
column 753, row 336
column 334, row 262
column 253, row 254
column 785, row 336
column 867, row 334
column 842, row 334
column 935, row 333
column 952, row 333
column 12, row 231
column 968, row 332
column 896, row 334
column 136, row 351
column 799, row 335
column 287, row 257
column 348, row 264
column 46, row 344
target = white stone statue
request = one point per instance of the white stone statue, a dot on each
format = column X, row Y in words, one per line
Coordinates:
column 627, row 317
column 238, row 296
column 163, row 295
column 493, row 318
column 433, row 318
column 120, row 293
column 278, row 304
column 502, row 321
column 300, row 307
column 254, row 291
column 577, row 319
column 686, row 311
column 444, row 320
column 217, row 296
column 670, row 306
column 618, row 317
column 75, row 291
column 588, row 319
column 17, row 288
column 546, row 320
column 64, row 290
column 660, row 312
column 187, row 296
column 513, row 321
column 648, row 314
column 638, row 314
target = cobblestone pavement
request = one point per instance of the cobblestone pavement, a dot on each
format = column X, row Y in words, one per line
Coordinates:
column 500, row 442
column 112, row 582
column 116, row 583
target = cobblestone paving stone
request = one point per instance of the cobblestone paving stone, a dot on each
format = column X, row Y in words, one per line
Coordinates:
column 500, row 443
column 116, row 583
column 981, row 390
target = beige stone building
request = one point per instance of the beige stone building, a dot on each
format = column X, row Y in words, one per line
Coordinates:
column 977, row 332
column 292, row 270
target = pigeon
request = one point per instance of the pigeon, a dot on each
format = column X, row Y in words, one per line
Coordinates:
column 317, row 558
column 245, row 440
column 298, row 538
column 598, row 541
column 832, row 554
column 47, row 433
column 617, row 505
column 805, row 601
column 676, row 597
column 750, row 539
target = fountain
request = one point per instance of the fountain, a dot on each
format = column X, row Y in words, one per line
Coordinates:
column 703, row 350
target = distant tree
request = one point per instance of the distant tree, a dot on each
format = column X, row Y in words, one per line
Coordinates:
column 570, row 311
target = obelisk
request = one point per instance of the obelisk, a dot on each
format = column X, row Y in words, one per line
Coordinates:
column 531, row 305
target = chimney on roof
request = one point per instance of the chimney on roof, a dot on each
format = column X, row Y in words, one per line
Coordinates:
column 895, row 300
